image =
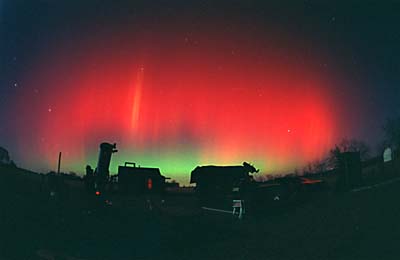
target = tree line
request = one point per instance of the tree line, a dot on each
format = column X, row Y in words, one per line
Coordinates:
column 391, row 139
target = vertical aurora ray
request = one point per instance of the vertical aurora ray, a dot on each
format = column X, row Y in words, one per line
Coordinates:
column 137, row 98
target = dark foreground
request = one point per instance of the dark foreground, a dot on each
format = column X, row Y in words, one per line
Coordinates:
column 326, row 225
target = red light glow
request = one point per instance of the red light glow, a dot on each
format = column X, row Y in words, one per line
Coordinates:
column 176, row 105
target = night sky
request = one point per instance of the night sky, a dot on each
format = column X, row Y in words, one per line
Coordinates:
column 178, row 84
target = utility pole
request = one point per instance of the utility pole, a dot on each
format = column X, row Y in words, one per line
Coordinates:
column 59, row 163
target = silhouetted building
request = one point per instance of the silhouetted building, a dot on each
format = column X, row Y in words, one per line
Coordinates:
column 89, row 178
column 349, row 170
column 4, row 156
column 140, row 180
column 221, row 179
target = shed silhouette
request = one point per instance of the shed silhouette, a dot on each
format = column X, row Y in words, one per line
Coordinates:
column 140, row 180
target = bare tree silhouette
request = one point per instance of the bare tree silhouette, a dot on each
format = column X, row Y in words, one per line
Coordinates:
column 348, row 145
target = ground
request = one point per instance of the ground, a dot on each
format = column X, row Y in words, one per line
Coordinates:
column 322, row 225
